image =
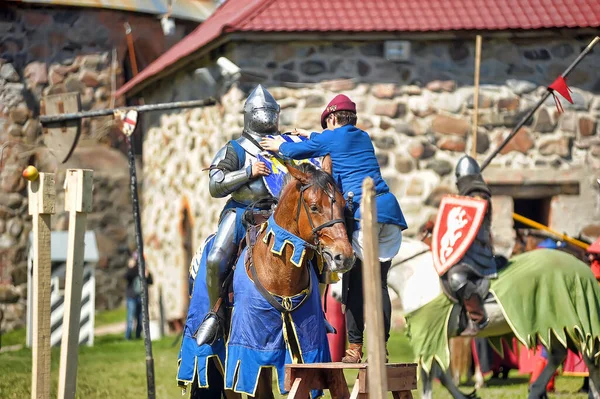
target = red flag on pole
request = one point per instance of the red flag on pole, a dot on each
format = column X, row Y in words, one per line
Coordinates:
column 560, row 86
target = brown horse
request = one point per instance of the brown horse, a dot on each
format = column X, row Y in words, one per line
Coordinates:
column 312, row 208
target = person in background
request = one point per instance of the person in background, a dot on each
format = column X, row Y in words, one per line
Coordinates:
column 133, row 294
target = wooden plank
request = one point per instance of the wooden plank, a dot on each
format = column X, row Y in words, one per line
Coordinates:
column 299, row 390
column 78, row 202
column 336, row 382
column 372, row 293
column 398, row 379
column 315, row 379
column 42, row 196
column 60, row 138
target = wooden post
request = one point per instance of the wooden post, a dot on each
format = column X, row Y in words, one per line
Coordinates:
column 42, row 196
column 476, row 96
column 372, row 293
column 78, row 202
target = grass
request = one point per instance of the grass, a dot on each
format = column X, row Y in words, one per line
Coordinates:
column 106, row 317
column 18, row 336
column 115, row 368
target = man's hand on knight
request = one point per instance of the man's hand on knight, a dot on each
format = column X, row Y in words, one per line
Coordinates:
column 301, row 132
column 260, row 169
column 272, row 144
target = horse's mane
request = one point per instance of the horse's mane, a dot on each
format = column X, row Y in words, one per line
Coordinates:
column 321, row 179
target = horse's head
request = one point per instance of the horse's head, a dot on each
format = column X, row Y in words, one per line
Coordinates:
column 314, row 210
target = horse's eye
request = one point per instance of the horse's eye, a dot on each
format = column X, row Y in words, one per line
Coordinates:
column 313, row 208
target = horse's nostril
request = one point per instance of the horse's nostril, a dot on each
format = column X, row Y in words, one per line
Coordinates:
column 338, row 258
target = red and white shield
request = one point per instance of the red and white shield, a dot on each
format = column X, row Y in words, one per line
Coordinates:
column 457, row 224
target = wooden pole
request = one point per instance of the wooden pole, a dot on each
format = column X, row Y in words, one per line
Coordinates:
column 476, row 96
column 377, row 375
column 78, row 202
column 42, row 196
column 539, row 226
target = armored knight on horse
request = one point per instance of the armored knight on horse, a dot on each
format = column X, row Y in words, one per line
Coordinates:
column 236, row 171
column 462, row 243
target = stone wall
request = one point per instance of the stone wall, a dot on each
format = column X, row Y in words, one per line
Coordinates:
column 419, row 117
column 56, row 50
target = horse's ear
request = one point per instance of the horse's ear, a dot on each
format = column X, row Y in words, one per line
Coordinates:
column 326, row 164
column 297, row 173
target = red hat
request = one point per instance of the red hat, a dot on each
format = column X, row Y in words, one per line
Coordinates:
column 339, row 103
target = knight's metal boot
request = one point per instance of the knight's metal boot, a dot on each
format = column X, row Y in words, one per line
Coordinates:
column 210, row 330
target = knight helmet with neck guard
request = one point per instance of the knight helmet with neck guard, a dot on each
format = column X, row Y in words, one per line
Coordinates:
column 261, row 114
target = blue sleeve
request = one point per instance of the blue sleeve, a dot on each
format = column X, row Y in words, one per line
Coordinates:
column 317, row 146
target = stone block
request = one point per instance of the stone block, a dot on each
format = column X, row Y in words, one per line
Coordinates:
column 522, row 142
column 338, row 85
column 421, row 150
column 438, row 86
column 36, row 73
column 484, row 101
column 383, row 159
column 440, row 166
column 384, row 143
column 19, row 114
column 404, row 164
column 411, row 90
column 444, row 124
column 9, row 73
column 581, row 101
column 455, row 144
column 483, row 142
column 543, row 122
column 508, row 104
column 520, row 86
column 89, row 78
column 8, row 294
column 435, row 197
column 587, row 126
column 384, row 91
column 568, row 122
column 309, row 118
column 452, row 102
column 314, row 100
column 555, row 146
column 386, row 108
column 313, row 67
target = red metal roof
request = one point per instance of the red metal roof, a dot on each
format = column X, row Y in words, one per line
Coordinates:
column 375, row 16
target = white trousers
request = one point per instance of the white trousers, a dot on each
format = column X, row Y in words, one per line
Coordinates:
column 390, row 239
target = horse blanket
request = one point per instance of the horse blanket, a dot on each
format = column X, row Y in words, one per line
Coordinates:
column 193, row 359
column 541, row 292
column 260, row 334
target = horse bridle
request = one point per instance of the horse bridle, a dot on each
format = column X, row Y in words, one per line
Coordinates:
column 315, row 230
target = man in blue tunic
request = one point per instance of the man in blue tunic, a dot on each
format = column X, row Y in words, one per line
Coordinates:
column 353, row 159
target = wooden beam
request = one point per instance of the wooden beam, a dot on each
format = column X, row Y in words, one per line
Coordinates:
column 371, row 271
column 42, row 196
column 78, row 202
column 476, row 97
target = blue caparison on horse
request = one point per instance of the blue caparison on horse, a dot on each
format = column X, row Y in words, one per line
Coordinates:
column 275, row 313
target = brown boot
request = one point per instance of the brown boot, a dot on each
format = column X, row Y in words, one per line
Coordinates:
column 353, row 354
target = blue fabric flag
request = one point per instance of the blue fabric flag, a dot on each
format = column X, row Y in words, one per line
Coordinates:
column 274, row 181
column 281, row 237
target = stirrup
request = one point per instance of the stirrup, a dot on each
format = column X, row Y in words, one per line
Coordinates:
column 209, row 330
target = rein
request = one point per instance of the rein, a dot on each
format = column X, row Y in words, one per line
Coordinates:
column 315, row 230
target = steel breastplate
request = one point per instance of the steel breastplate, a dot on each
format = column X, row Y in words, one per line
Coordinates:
column 255, row 189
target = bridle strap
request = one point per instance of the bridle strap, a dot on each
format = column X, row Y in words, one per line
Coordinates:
column 315, row 230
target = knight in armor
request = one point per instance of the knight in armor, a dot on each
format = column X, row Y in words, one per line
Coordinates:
column 236, row 172
column 468, row 280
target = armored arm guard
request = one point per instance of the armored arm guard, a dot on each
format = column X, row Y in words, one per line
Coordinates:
column 225, row 175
